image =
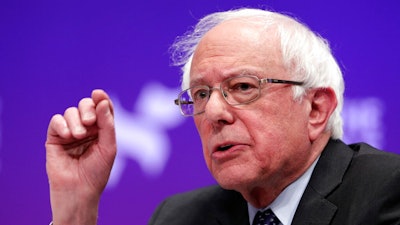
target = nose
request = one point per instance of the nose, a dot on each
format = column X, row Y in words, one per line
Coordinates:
column 217, row 109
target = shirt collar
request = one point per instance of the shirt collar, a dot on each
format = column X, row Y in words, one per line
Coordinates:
column 285, row 205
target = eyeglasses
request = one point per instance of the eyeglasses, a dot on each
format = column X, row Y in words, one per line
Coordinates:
column 235, row 90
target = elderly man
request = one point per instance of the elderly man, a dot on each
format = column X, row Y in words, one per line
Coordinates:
column 265, row 94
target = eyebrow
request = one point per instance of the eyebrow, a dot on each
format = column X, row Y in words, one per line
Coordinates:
column 241, row 71
column 196, row 82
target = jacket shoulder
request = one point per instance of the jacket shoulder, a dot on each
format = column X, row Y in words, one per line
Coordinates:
column 369, row 192
column 376, row 161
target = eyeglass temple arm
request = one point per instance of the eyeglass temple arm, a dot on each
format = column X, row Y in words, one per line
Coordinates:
column 270, row 80
column 177, row 102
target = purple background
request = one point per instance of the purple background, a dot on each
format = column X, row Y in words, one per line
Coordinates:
column 53, row 53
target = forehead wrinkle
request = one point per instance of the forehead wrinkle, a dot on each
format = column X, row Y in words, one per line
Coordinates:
column 201, row 79
column 222, row 66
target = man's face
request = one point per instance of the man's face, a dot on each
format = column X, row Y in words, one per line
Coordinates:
column 261, row 143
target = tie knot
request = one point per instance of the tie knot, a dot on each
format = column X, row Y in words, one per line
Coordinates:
column 266, row 217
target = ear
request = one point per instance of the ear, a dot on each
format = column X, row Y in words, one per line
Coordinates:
column 323, row 103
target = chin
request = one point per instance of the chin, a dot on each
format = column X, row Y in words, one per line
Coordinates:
column 231, row 181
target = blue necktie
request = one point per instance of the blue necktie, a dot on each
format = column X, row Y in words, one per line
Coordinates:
column 266, row 218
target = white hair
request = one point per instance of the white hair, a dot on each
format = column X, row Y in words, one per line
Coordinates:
column 305, row 54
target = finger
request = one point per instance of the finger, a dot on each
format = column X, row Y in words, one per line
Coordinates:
column 58, row 128
column 105, row 122
column 99, row 95
column 73, row 119
column 87, row 111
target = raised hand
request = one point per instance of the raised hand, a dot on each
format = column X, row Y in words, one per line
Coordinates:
column 80, row 151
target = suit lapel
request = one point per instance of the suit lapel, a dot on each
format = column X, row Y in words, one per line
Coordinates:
column 314, row 208
column 237, row 217
column 230, row 209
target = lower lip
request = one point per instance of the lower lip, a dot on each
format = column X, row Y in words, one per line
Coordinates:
column 227, row 154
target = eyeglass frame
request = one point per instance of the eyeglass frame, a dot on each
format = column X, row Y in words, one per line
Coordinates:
column 210, row 89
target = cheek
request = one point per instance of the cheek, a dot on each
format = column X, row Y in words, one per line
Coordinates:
column 263, row 125
column 202, row 129
column 207, row 159
column 274, row 131
column 203, row 132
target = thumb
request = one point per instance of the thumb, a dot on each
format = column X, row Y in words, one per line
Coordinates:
column 106, row 133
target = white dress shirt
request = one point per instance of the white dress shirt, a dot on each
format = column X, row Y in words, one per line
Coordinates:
column 285, row 205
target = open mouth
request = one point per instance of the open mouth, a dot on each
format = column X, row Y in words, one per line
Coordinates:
column 224, row 148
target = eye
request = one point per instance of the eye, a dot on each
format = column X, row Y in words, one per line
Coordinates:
column 242, row 87
column 200, row 94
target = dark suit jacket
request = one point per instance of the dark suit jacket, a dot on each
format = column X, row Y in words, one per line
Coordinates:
column 350, row 185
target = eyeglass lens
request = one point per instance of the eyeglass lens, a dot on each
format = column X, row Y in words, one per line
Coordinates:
column 236, row 90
